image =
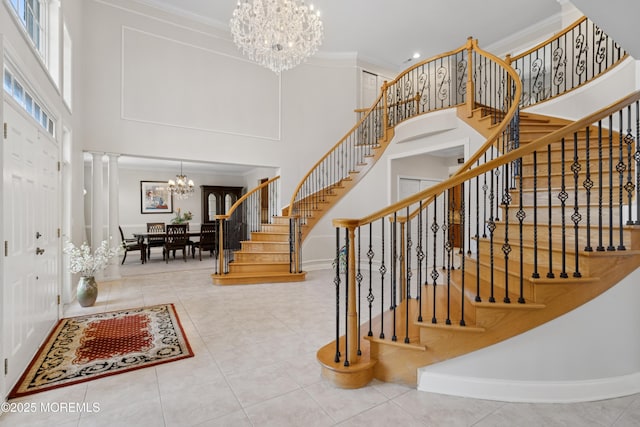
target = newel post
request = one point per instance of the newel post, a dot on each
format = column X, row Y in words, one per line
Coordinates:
column 470, row 86
column 221, row 219
column 352, row 312
column 385, row 110
column 509, row 89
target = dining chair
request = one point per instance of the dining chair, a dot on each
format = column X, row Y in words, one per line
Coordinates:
column 175, row 239
column 208, row 240
column 131, row 245
column 154, row 241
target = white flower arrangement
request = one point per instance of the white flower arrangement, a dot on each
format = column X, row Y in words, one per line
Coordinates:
column 84, row 262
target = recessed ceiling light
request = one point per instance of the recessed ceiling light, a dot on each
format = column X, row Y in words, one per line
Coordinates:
column 416, row 55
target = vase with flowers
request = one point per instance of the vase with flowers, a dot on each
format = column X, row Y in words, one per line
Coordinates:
column 182, row 218
column 82, row 261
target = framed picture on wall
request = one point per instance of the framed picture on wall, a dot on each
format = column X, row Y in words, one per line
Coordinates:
column 155, row 197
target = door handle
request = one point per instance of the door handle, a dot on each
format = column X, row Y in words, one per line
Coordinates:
column 38, row 235
column 39, row 251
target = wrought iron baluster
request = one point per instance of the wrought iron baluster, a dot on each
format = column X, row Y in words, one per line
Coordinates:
column 563, row 196
column 420, row 258
column 407, row 296
column 535, row 273
column 477, row 298
column 434, row 272
column 637, row 159
column 448, row 246
column 506, row 247
column 394, row 273
column 588, row 185
column 346, row 300
column 491, row 226
column 576, row 217
column 462, row 265
column 336, row 283
column 629, row 186
column 600, row 247
column 521, row 215
column 611, row 247
column 550, row 274
column 370, row 297
column 359, row 283
column 383, row 271
column 621, row 167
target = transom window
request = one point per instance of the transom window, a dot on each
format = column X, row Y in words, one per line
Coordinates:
column 26, row 100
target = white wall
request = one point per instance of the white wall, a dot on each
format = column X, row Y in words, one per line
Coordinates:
column 375, row 191
column 587, row 354
column 168, row 87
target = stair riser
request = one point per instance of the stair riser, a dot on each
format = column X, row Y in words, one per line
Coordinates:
column 250, row 246
column 499, row 292
column 528, row 257
column 556, row 236
column 275, row 228
column 542, row 197
column 556, row 215
column 236, row 268
column 269, row 237
column 569, row 182
column 258, row 257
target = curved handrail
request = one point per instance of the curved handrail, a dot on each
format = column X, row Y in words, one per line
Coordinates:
column 560, row 64
column 241, row 200
column 243, row 217
column 498, row 131
column 513, row 155
column 397, row 98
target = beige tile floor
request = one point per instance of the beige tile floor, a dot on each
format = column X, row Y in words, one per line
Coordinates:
column 255, row 365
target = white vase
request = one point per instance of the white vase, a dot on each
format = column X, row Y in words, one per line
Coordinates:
column 87, row 291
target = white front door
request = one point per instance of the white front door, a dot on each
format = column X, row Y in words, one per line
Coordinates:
column 31, row 220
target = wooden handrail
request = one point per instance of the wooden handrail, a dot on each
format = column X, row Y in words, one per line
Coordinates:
column 458, row 179
column 496, row 133
column 546, row 42
column 382, row 97
column 245, row 197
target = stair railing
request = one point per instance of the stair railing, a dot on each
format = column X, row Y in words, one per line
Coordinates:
column 572, row 58
column 576, row 192
column 494, row 87
column 254, row 209
column 444, row 81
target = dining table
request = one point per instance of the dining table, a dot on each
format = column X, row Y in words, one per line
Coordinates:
column 163, row 234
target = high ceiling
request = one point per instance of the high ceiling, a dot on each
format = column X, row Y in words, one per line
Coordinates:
column 387, row 32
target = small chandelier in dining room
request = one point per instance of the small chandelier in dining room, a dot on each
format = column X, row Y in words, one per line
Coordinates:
column 277, row 34
column 181, row 187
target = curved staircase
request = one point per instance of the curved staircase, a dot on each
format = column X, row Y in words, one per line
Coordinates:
column 548, row 219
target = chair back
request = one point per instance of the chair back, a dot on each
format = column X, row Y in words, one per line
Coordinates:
column 121, row 233
column 208, row 234
column 155, row 227
column 176, row 234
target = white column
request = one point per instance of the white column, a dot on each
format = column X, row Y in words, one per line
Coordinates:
column 97, row 202
column 113, row 269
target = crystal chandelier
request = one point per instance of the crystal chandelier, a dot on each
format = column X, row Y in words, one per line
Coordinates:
column 277, row 34
column 181, row 187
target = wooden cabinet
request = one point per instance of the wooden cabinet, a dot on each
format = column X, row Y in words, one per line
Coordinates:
column 216, row 200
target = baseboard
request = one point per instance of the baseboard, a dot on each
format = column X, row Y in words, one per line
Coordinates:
column 530, row 391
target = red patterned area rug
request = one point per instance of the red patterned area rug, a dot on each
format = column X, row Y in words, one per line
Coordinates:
column 88, row 347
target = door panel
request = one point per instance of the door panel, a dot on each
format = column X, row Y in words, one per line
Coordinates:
column 31, row 201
